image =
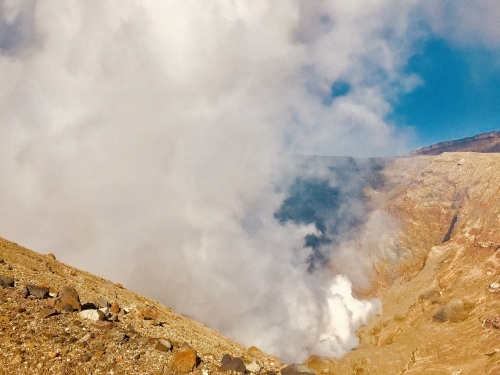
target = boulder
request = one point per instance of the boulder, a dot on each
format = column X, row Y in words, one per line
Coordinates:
column 68, row 300
column 229, row 363
column 94, row 315
column 6, row 281
column 255, row 352
column 184, row 360
column 297, row 369
column 39, row 292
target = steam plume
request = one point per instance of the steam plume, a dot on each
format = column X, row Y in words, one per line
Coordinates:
column 144, row 142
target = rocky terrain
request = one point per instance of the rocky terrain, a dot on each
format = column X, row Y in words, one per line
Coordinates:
column 437, row 272
column 440, row 294
column 55, row 319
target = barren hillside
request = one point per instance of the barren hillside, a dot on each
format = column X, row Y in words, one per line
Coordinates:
column 56, row 319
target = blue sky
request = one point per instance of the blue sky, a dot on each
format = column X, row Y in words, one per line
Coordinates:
column 459, row 95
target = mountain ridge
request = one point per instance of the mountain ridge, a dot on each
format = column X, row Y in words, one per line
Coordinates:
column 485, row 142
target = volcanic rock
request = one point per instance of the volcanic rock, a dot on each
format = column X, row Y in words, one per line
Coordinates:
column 297, row 369
column 162, row 347
column 47, row 312
column 184, row 360
column 6, row 281
column 229, row 363
column 68, row 300
column 148, row 313
column 39, row 292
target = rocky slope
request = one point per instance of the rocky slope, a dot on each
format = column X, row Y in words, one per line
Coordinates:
column 55, row 319
column 440, row 293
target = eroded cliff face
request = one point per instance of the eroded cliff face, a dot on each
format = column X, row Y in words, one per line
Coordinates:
column 437, row 278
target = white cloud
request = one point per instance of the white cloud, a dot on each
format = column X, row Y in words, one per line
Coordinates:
column 464, row 22
column 143, row 142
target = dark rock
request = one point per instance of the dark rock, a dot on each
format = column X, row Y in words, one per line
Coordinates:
column 229, row 363
column 6, row 281
column 161, row 347
column 46, row 312
column 226, row 358
column 68, row 300
column 39, row 292
column 297, row 369
column 89, row 306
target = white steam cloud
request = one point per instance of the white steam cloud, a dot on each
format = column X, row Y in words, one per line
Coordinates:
column 143, row 141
